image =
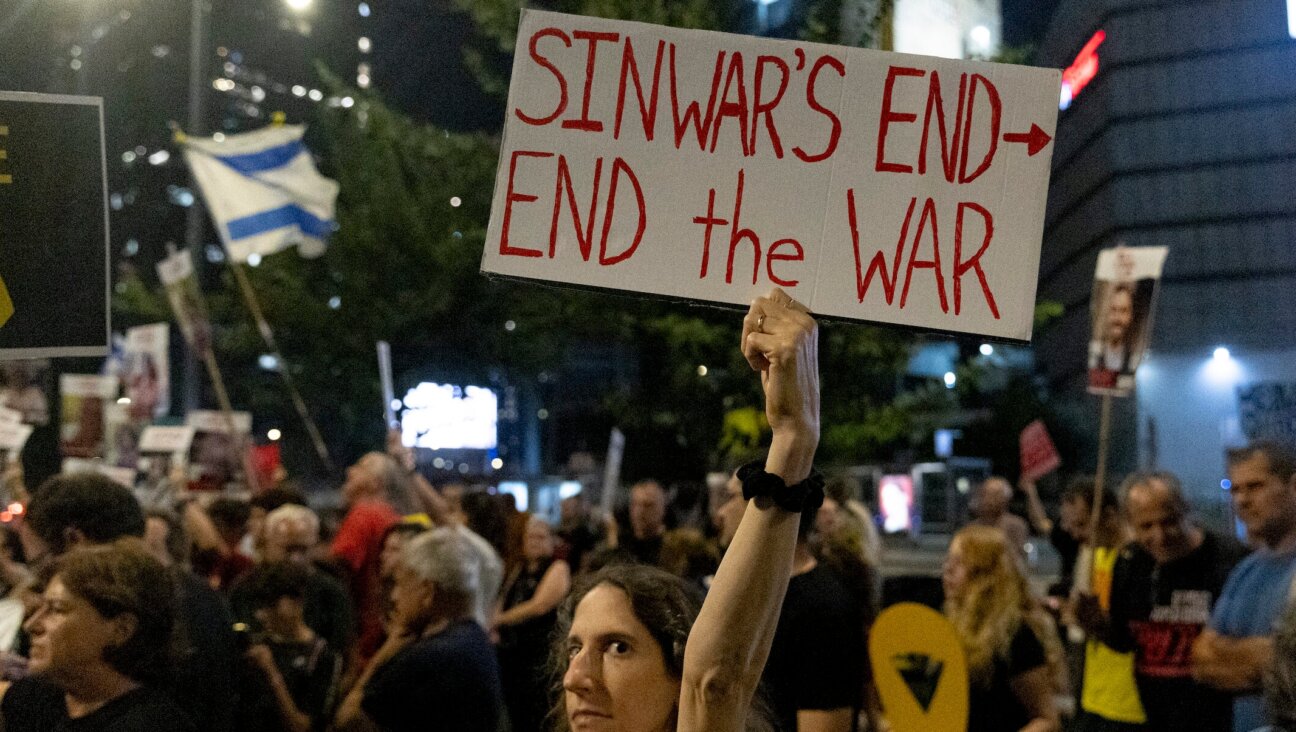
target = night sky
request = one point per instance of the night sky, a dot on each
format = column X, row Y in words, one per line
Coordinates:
column 1024, row 21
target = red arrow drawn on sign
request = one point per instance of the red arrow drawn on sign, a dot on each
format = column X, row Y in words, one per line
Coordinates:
column 1035, row 140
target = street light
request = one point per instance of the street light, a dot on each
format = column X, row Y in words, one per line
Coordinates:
column 299, row 5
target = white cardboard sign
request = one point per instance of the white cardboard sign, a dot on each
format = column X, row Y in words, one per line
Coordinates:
column 13, row 436
column 871, row 186
column 10, row 416
column 169, row 439
column 121, row 476
column 205, row 420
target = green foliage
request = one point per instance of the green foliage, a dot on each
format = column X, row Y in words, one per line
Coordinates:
column 1046, row 311
column 1020, row 55
column 846, row 22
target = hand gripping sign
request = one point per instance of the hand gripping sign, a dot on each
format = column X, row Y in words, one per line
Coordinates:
column 870, row 186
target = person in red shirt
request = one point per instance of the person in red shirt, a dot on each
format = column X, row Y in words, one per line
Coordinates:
column 378, row 491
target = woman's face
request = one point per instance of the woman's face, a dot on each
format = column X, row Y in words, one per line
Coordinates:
column 616, row 674
column 955, row 574
column 538, row 542
column 69, row 635
column 826, row 518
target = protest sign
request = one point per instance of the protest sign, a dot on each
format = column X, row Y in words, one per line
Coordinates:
column 208, row 420
column 177, row 274
column 870, row 186
column 146, row 371
column 24, row 386
column 13, row 437
column 53, row 227
column 84, row 396
column 121, row 476
column 390, row 405
column 1122, row 304
column 920, row 669
column 1267, row 411
column 166, row 439
column 121, row 435
column 612, row 471
column 1039, row 456
column 218, row 455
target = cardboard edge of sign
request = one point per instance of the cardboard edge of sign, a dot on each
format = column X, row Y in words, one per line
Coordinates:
column 21, row 354
column 42, row 98
column 732, row 307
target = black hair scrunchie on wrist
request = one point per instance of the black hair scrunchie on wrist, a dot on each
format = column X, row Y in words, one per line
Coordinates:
column 805, row 496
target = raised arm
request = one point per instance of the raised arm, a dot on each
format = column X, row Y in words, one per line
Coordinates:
column 1039, row 518
column 729, row 643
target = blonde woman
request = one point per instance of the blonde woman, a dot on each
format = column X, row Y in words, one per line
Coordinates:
column 1013, row 655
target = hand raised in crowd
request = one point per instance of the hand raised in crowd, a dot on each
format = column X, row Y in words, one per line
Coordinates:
column 781, row 341
column 397, row 449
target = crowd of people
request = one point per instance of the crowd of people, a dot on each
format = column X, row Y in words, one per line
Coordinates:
column 748, row 607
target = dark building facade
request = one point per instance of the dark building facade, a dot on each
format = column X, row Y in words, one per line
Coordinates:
column 1182, row 138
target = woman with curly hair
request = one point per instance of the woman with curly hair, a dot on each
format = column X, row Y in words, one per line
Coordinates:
column 1013, row 655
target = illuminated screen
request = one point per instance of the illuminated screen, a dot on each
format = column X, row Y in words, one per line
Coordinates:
column 445, row 417
column 896, row 500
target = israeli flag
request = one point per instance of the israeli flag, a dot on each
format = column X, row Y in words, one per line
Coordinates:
column 263, row 191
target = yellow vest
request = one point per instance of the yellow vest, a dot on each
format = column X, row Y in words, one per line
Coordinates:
column 1109, row 689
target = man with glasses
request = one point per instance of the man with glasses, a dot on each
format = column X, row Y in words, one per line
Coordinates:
column 1234, row 653
column 291, row 534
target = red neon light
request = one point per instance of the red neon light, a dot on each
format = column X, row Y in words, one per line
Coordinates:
column 1083, row 70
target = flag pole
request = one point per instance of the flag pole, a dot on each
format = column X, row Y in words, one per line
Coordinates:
column 208, row 355
column 227, row 409
column 267, row 334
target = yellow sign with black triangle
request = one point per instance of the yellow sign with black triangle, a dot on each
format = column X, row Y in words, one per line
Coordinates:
column 919, row 669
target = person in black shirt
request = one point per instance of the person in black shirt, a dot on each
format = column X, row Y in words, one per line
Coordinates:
column 85, row 509
column 1164, row 588
column 437, row 669
column 525, row 618
column 291, row 534
column 647, row 522
column 1071, row 530
column 814, row 678
column 578, row 536
column 815, row 673
column 99, row 639
column 292, row 676
column 1012, row 674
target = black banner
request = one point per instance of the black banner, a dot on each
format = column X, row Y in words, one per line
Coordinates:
column 53, row 227
column 1267, row 411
